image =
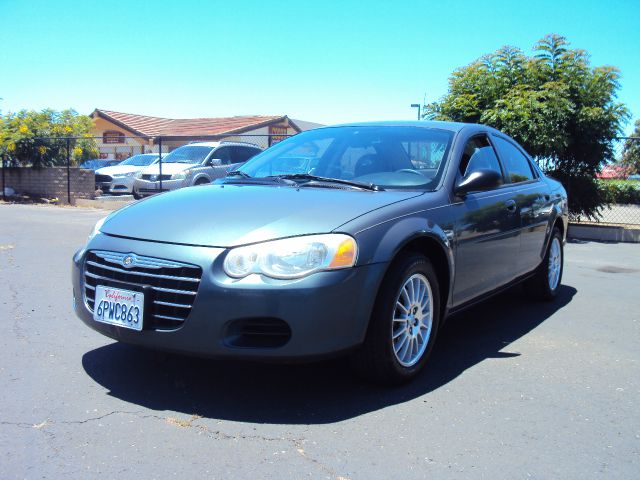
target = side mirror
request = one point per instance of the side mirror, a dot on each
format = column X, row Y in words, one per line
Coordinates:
column 214, row 162
column 477, row 181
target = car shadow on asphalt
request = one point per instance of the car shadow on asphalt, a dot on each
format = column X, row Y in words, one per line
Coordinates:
column 316, row 393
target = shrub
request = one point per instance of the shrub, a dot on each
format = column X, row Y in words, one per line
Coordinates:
column 619, row 191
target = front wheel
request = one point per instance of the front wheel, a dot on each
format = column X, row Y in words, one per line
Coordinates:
column 403, row 326
column 544, row 285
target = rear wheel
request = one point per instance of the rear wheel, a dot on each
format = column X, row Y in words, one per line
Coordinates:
column 403, row 326
column 544, row 285
column 201, row 181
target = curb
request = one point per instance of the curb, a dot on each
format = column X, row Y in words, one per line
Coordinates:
column 603, row 233
column 102, row 204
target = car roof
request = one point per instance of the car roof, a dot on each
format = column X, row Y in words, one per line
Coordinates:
column 201, row 144
column 450, row 126
column 219, row 143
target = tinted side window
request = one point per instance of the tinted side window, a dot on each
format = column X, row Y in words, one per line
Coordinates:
column 224, row 154
column 242, row 154
column 516, row 164
column 478, row 155
column 238, row 154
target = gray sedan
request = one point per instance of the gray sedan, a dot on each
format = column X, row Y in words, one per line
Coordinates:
column 358, row 239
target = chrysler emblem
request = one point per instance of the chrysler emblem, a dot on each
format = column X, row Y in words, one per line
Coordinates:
column 128, row 261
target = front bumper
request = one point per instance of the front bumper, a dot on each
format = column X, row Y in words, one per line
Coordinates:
column 117, row 185
column 147, row 187
column 327, row 312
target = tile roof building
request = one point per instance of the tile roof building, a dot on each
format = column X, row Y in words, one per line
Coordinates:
column 125, row 134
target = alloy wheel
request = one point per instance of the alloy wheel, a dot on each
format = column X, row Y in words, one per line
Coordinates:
column 412, row 320
column 555, row 263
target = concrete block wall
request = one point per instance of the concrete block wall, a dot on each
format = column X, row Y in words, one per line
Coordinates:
column 50, row 182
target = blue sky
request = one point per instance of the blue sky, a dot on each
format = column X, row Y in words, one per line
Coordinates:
column 326, row 61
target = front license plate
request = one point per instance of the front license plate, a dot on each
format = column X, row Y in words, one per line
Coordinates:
column 123, row 308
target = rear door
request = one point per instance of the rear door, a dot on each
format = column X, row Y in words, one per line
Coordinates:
column 487, row 229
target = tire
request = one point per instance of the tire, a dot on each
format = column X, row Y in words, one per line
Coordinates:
column 136, row 195
column 202, row 181
column 383, row 357
column 544, row 285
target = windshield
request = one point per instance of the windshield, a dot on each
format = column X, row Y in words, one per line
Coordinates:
column 387, row 156
column 98, row 163
column 140, row 160
column 188, row 154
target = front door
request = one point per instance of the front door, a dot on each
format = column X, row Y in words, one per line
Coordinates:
column 487, row 229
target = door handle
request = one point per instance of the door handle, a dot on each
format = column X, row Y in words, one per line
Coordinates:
column 511, row 205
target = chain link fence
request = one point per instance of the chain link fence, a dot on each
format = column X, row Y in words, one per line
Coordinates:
column 613, row 214
column 619, row 185
column 65, row 168
column 123, row 147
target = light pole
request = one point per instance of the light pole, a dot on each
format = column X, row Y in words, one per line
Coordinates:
column 418, row 106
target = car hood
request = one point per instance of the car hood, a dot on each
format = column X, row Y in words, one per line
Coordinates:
column 169, row 168
column 118, row 169
column 231, row 215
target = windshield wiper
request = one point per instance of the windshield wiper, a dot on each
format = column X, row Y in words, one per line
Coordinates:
column 240, row 177
column 238, row 173
column 339, row 181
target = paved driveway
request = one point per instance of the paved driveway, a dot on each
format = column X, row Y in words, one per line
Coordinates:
column 515, row 389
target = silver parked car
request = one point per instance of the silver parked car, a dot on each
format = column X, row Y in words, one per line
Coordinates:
column 194, row 164
column 119, row 178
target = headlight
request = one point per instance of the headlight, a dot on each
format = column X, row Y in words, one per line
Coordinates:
column 138, row 174
column 180, row 175
column 292, row 257
column 96, row 228
column 121, row 175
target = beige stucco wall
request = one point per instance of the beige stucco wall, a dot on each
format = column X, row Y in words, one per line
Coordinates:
column 131, row 146
column 259, row 136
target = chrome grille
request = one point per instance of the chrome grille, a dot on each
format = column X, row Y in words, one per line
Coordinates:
column 170, row 287
column 103, row 178
column 155, row 178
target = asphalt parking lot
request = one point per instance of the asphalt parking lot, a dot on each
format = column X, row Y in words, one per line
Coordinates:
column 515, row 389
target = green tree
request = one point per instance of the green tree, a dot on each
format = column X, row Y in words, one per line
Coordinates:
column 38, row 139
column 562, row 110
column 631, row 150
